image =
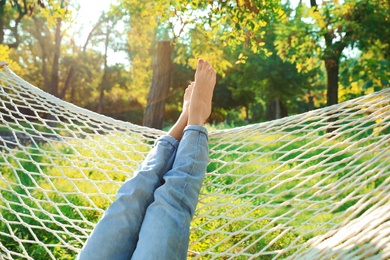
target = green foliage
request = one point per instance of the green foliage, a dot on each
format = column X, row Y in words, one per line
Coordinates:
column 5, row 56
column 367, row 74
column 326, row 31
column 265, row 52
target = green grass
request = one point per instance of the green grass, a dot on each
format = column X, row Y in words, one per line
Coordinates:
column 56, row 195
column 259, row 194
column 287, row 183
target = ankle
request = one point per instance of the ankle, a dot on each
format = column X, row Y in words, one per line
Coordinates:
column 197, row 118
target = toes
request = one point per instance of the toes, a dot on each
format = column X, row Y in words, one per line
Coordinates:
column 207, row 65
column 187, row 96
column 189, row 89
column 204, row 65
column 201, row 64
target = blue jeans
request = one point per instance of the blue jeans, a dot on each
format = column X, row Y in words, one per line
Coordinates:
column 151, row 215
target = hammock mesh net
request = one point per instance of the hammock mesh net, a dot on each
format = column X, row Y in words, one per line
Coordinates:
column 310, row 186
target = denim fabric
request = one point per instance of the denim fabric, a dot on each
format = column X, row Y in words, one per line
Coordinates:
column 148, row 219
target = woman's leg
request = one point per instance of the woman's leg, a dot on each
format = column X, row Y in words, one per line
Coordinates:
column 116, row 234
column 165, row 230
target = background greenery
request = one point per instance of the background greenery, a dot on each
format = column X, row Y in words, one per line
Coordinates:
column 274, row 58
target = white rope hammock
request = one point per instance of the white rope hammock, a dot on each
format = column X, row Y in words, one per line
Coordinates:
column 284, row 189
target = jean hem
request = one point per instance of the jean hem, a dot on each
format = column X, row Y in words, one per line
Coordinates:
column 197, row 128
column 171, row 140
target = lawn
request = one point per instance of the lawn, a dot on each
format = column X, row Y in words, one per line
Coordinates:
column 264, row 195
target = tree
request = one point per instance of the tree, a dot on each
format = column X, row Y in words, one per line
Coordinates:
column 45, row 29
column 368, row 72
column 332, row 28
column 11, row 14
column 257, row 79
column 158, row 94
column 204, row 29
column 111, row 74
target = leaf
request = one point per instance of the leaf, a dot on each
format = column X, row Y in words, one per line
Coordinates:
column 385, row 82
column 368, row 84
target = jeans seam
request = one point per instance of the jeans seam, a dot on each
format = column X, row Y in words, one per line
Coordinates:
column 185, row 186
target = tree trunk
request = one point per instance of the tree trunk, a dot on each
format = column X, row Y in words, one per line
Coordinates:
column 270, row 111
column 104, row 82
column 311, row 100
column 44, row 70
column 275, row 110
column 332, row 74
column 246, row 113
column 2, row 23
column 158, row 93
column 72, row 94
column 41, row 41
column 68, row 79
column 55, row 68
column 101, row 100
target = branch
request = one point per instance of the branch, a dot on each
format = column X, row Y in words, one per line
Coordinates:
column 97, row 25
column 22, row 12
column 313, row 3
column 67, row 82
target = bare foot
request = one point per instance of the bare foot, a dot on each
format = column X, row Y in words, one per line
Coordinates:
column 177, row 129
column 202, row 94
column 187, row 98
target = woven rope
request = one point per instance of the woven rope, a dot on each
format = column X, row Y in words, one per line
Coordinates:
column 289, row 188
